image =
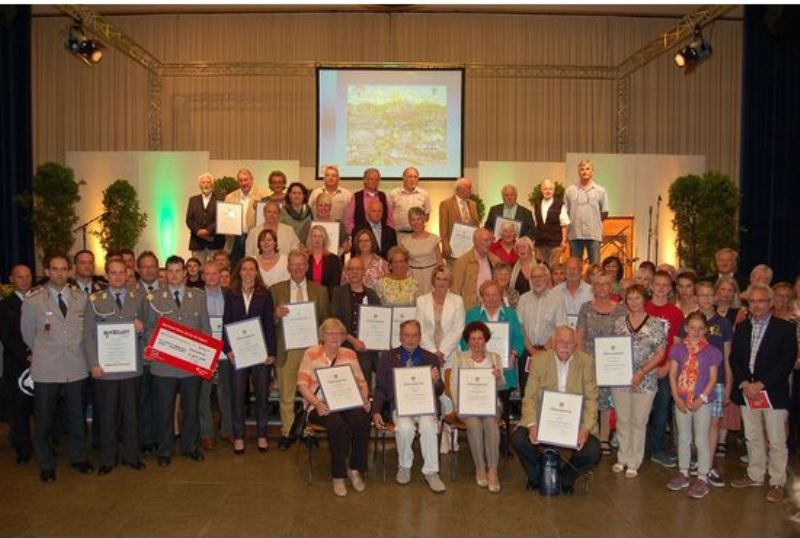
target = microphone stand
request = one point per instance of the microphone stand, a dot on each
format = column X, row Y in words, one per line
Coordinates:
column 658, row 210
column 83, row 227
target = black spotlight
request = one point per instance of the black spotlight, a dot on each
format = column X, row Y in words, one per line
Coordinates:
column 88, row 50
column 693, row 54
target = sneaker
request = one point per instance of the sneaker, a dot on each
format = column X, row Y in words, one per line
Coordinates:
column 665, row 460
column 721, row 451
column 403, row 476
column 744, row 459
column 435, row 483
column 339, row 487
column 678, row 482
column 776, row 494
column 692, row 468
column 698, row 489
column 715, row 479
column 631, row 473
column 355, row 479
column 745, row 482
column 617, row 467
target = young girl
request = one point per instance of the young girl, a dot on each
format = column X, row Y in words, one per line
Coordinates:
column 693, row 370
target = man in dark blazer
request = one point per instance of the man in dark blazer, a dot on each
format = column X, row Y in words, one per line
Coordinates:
column 16, row 359
column 762, row 357
column 384, row 234
column 510, row 209
column 201, row 218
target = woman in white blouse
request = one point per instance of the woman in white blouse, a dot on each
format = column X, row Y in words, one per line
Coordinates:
column 441, row 315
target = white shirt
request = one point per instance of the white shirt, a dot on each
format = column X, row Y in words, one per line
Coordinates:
column 403, row 200
column 573, row 303
column 563, row 218
column 541, row 314
column 562, row 369
column 206, row 199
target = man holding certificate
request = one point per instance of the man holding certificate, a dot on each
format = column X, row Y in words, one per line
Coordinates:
column 561, row 370
column 112, row 327
column 186, row 306
column 411, row 399
column 302, row 330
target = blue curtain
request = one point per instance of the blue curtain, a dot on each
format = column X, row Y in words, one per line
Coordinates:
column 770, row 153
column 16, row 167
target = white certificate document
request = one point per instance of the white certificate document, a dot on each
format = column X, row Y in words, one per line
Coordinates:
column 332, row 229
column 229, row 218
column 501, row 221
column 116, row 347
column 399, row 315
column 477, row 392
column 247, row 342
column 613, row 361
column 300, row 326
column 500, row 342
column 260, row 214
column 560, row 418
column 216, row 326
column 375, row 326
column 413, row 391
column 461, row 238
column 339, row 387
column 572, row 320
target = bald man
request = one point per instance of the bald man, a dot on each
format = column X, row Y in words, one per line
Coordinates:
column 459, row 208
column 511, row 210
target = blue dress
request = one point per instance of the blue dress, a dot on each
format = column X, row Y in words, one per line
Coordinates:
column 477, row 313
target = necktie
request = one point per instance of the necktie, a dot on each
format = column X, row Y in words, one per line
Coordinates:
column 178, row 298
column 118, row 301
column 87, row 290
column 150, row 287
column 464, row 211
column 62, row 305
column 298, row 294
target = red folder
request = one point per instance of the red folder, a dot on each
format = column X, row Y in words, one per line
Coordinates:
column 762, row 402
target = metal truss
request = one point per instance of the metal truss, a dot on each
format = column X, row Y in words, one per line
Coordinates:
column 588, row 72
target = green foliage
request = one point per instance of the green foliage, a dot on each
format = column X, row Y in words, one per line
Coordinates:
column 536, row 194
column 53, row 196
column 225, row 185
column 122, row 224
column 481, row 206
column 6, row 290
column 705, row 217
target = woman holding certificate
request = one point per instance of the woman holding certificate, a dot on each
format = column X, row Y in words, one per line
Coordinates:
column 633, row 403
column 483, row 432
column 323, row 204
column 493, row 311
column 347, row 426
column 324, row 267
column 398, row 288
column 248, row 309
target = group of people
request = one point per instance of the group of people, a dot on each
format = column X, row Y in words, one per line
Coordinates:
column 703, row 353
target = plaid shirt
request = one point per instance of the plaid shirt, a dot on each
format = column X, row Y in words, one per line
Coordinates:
column 756, row 336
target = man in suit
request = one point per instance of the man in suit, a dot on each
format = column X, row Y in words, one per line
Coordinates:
column 511, row 210
column 762, row 357
column 52, row 326
column 459, row 208
column 409, row 354
column 474, row 268
column 186, row 306
column 551, row 224
column 376, row 223
column 295, row 290
column 16, row 359
column 201, row 219
column 147, row 263
column 562, row 369
column 356, row 216
column 246, row 195
column 116, row 394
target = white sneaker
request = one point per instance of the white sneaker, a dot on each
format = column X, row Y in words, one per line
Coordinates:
column 435, row 483
column 403, row 476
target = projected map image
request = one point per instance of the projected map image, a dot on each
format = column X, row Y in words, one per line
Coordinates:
column 394, row 125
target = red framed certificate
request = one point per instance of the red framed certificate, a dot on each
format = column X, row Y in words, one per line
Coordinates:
column 179, row 346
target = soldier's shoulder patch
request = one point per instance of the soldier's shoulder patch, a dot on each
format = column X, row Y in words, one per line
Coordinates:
column 33, row 292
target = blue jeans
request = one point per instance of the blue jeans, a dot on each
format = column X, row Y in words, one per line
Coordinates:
column 576, row 247
column 659, row 415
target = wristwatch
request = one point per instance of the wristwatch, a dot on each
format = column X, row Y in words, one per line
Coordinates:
column 704, row 398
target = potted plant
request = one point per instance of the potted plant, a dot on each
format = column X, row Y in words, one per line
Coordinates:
column 705, row 210
column 225, row 185
column 122, row 223
column 480, row 205
column 536, row 194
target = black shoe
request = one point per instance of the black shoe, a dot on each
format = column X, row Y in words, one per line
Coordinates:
column 48, row 476
column 285, row 442
column 104, row 470
column 568, row 489
column 135, row 465
column 164, row 461
column 195, row 455
column 148, row 449
column 532, row 485
column 83, row 467
column 311, row 442
column 22, row 459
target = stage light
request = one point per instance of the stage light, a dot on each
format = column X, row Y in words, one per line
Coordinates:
column 695, row 53
column 88, row 50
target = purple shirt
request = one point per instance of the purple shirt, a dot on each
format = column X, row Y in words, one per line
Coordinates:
column 710, row 356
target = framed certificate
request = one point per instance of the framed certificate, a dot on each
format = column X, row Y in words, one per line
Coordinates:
column 116, row 347
column 413, row 391
column 339, row 387
column 332, row 229
column 572, row 320
column 560, row 418
column 375, row 326
column 184, row 348
column 399, row 315
column 216, row 326
column 461, row 238
column 229, row 218
column 477, row 392
column 247, row 342
column 300, row 326
column 501, row 221
column 613, row 361
column 500, row 342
